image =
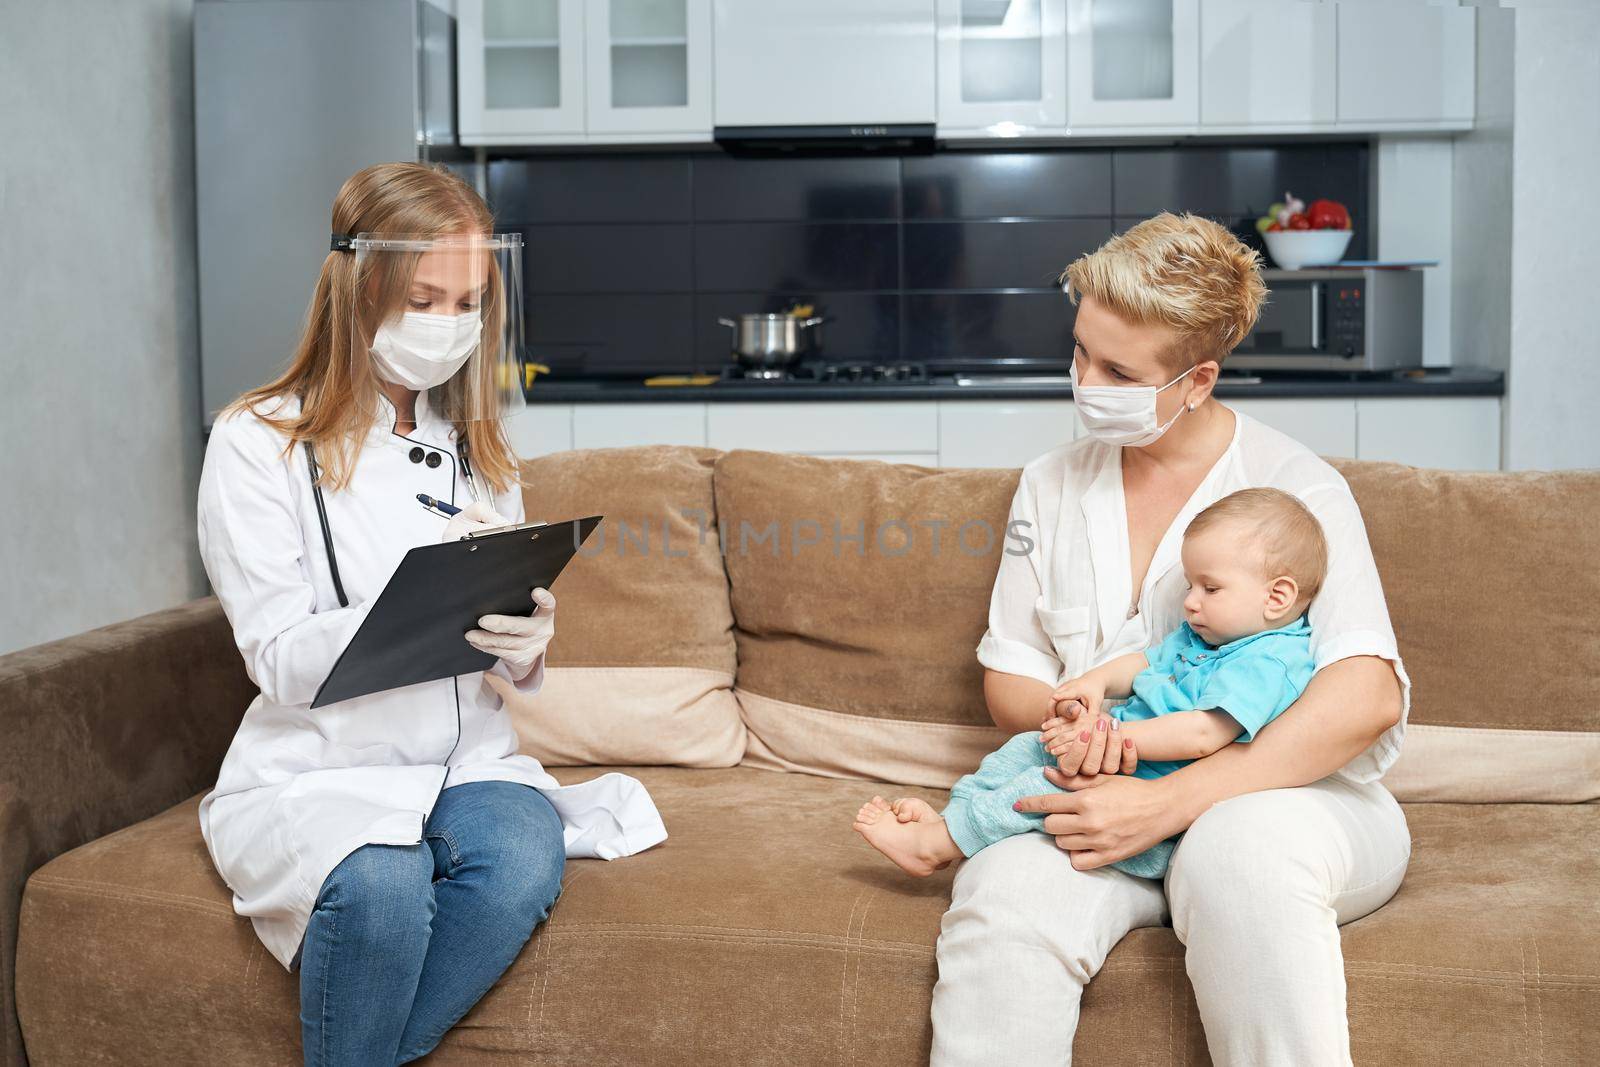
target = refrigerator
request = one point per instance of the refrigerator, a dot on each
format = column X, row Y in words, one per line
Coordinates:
column 291, row 98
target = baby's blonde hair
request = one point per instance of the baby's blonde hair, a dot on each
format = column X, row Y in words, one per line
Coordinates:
column 1180, row 271
column 1288, row 536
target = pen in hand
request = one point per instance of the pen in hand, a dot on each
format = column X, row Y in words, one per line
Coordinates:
column 438, row 507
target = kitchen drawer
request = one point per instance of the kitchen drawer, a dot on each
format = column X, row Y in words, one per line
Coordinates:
column 840, row 427
column 540, row 429
column 620, row 425
column 1327, row 427
column 1451, row 433
column 1002, row 433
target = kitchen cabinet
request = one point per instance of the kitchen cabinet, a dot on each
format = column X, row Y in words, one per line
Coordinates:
column 1268, row 64
column 621, row 425
column 1326, row 426
column 1449, row 433
column 1406, row 65
column 1458, row 433
column 843, row 428
column 1133, row 63
column 520, row 70
column 824, row 62
column 1002, row 433
column 1002, row 66
column 539, row 429
column 649, row 67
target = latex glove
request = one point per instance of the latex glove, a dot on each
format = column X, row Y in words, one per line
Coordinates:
column 478, row 515
column 519, row 641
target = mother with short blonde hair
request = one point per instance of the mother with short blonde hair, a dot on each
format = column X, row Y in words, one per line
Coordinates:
column 1285, row 838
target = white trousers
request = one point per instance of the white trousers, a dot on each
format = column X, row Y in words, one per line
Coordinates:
column 1256, row 892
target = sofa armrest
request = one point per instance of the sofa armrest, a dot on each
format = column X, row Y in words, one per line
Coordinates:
column 101, row 731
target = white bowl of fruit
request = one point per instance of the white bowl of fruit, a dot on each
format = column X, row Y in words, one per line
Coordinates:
column 1300, row 236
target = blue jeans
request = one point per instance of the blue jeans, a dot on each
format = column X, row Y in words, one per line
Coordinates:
column 405, row 938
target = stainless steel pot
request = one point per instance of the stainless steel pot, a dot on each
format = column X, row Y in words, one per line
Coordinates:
column 771, row 342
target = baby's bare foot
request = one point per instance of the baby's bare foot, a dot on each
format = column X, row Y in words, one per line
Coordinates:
column 914, row 809
column 919, row 846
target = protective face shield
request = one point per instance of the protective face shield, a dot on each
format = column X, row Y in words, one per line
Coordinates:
column 442, row 315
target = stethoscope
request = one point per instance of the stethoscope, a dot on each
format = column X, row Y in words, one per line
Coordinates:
column 322, row 509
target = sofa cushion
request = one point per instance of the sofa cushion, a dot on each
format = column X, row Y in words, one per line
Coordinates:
column 860, row 590
column 641, row 667
column 1495, row 597
column 765, row 932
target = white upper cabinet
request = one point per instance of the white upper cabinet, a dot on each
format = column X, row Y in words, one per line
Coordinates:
column 824, row 62
column 1268, row 63
column 519, row 65
column 1002, row 66
column 649, row 67
column 1133, row 63
column 1406, row 65
column 536, row 72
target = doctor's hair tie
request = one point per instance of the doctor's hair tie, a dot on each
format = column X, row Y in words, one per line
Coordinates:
column 342, row 242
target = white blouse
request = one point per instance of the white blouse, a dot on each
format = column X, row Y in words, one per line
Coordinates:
column 1061, row 599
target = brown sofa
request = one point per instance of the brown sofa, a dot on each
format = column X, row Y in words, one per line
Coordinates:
column 753, row 689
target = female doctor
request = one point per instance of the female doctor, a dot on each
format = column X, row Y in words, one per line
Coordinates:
column 395, row 847
column 1285, row 837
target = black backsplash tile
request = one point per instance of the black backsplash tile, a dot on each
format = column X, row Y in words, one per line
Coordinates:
column 1235, row 185
column 997, row 255
column 728, row 189
column 631, row 257
column 796, row 255
column 592, row 334
column 613, row 188
column 988, row 326
column 981, row 185
column 627, row 258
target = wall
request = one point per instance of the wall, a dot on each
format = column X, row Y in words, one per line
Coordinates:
column 1553, row 381
column 1412, row 185
column 1481, row 186
column 632, row 258
column 99, row 440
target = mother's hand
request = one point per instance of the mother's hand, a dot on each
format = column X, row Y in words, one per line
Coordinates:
column 1104, row 818
column 1090, row 744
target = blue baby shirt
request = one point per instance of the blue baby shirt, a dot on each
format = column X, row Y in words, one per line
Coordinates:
column 1253, row 679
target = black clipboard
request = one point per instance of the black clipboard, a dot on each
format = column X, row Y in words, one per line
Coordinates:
column 414, row 631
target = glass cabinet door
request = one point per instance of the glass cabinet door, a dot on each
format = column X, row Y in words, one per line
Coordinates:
column 520, row 69
column 1133, row 62
column 649, row 66
column 1002, row 65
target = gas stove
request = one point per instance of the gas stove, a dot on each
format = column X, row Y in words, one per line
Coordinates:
column 830, row 373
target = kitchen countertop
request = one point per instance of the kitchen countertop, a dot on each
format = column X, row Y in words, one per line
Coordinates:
column 1436, row 381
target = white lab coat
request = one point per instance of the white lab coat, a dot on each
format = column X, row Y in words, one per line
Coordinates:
column 299, row 790
column 1064, row 607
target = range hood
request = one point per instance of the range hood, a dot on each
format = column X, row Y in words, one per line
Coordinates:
column 890, row 138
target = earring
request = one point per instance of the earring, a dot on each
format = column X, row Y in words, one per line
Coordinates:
column 1191, row 405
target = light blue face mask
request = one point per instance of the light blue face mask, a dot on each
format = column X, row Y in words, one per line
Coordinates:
column 1122, row 415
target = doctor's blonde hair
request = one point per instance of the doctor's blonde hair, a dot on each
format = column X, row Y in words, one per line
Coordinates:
column 338, row 391
column 1183, row 272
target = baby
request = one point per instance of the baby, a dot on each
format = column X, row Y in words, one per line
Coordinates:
column 1254, row 560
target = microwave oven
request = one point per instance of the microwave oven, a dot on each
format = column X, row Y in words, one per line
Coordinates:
column 1336, row 319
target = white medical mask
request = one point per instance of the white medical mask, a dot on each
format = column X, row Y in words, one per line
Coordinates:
column 1121, row 414
column 421, row 351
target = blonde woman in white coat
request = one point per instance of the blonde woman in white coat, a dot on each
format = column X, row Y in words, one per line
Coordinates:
column 1285, row 837
column 393, row 847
